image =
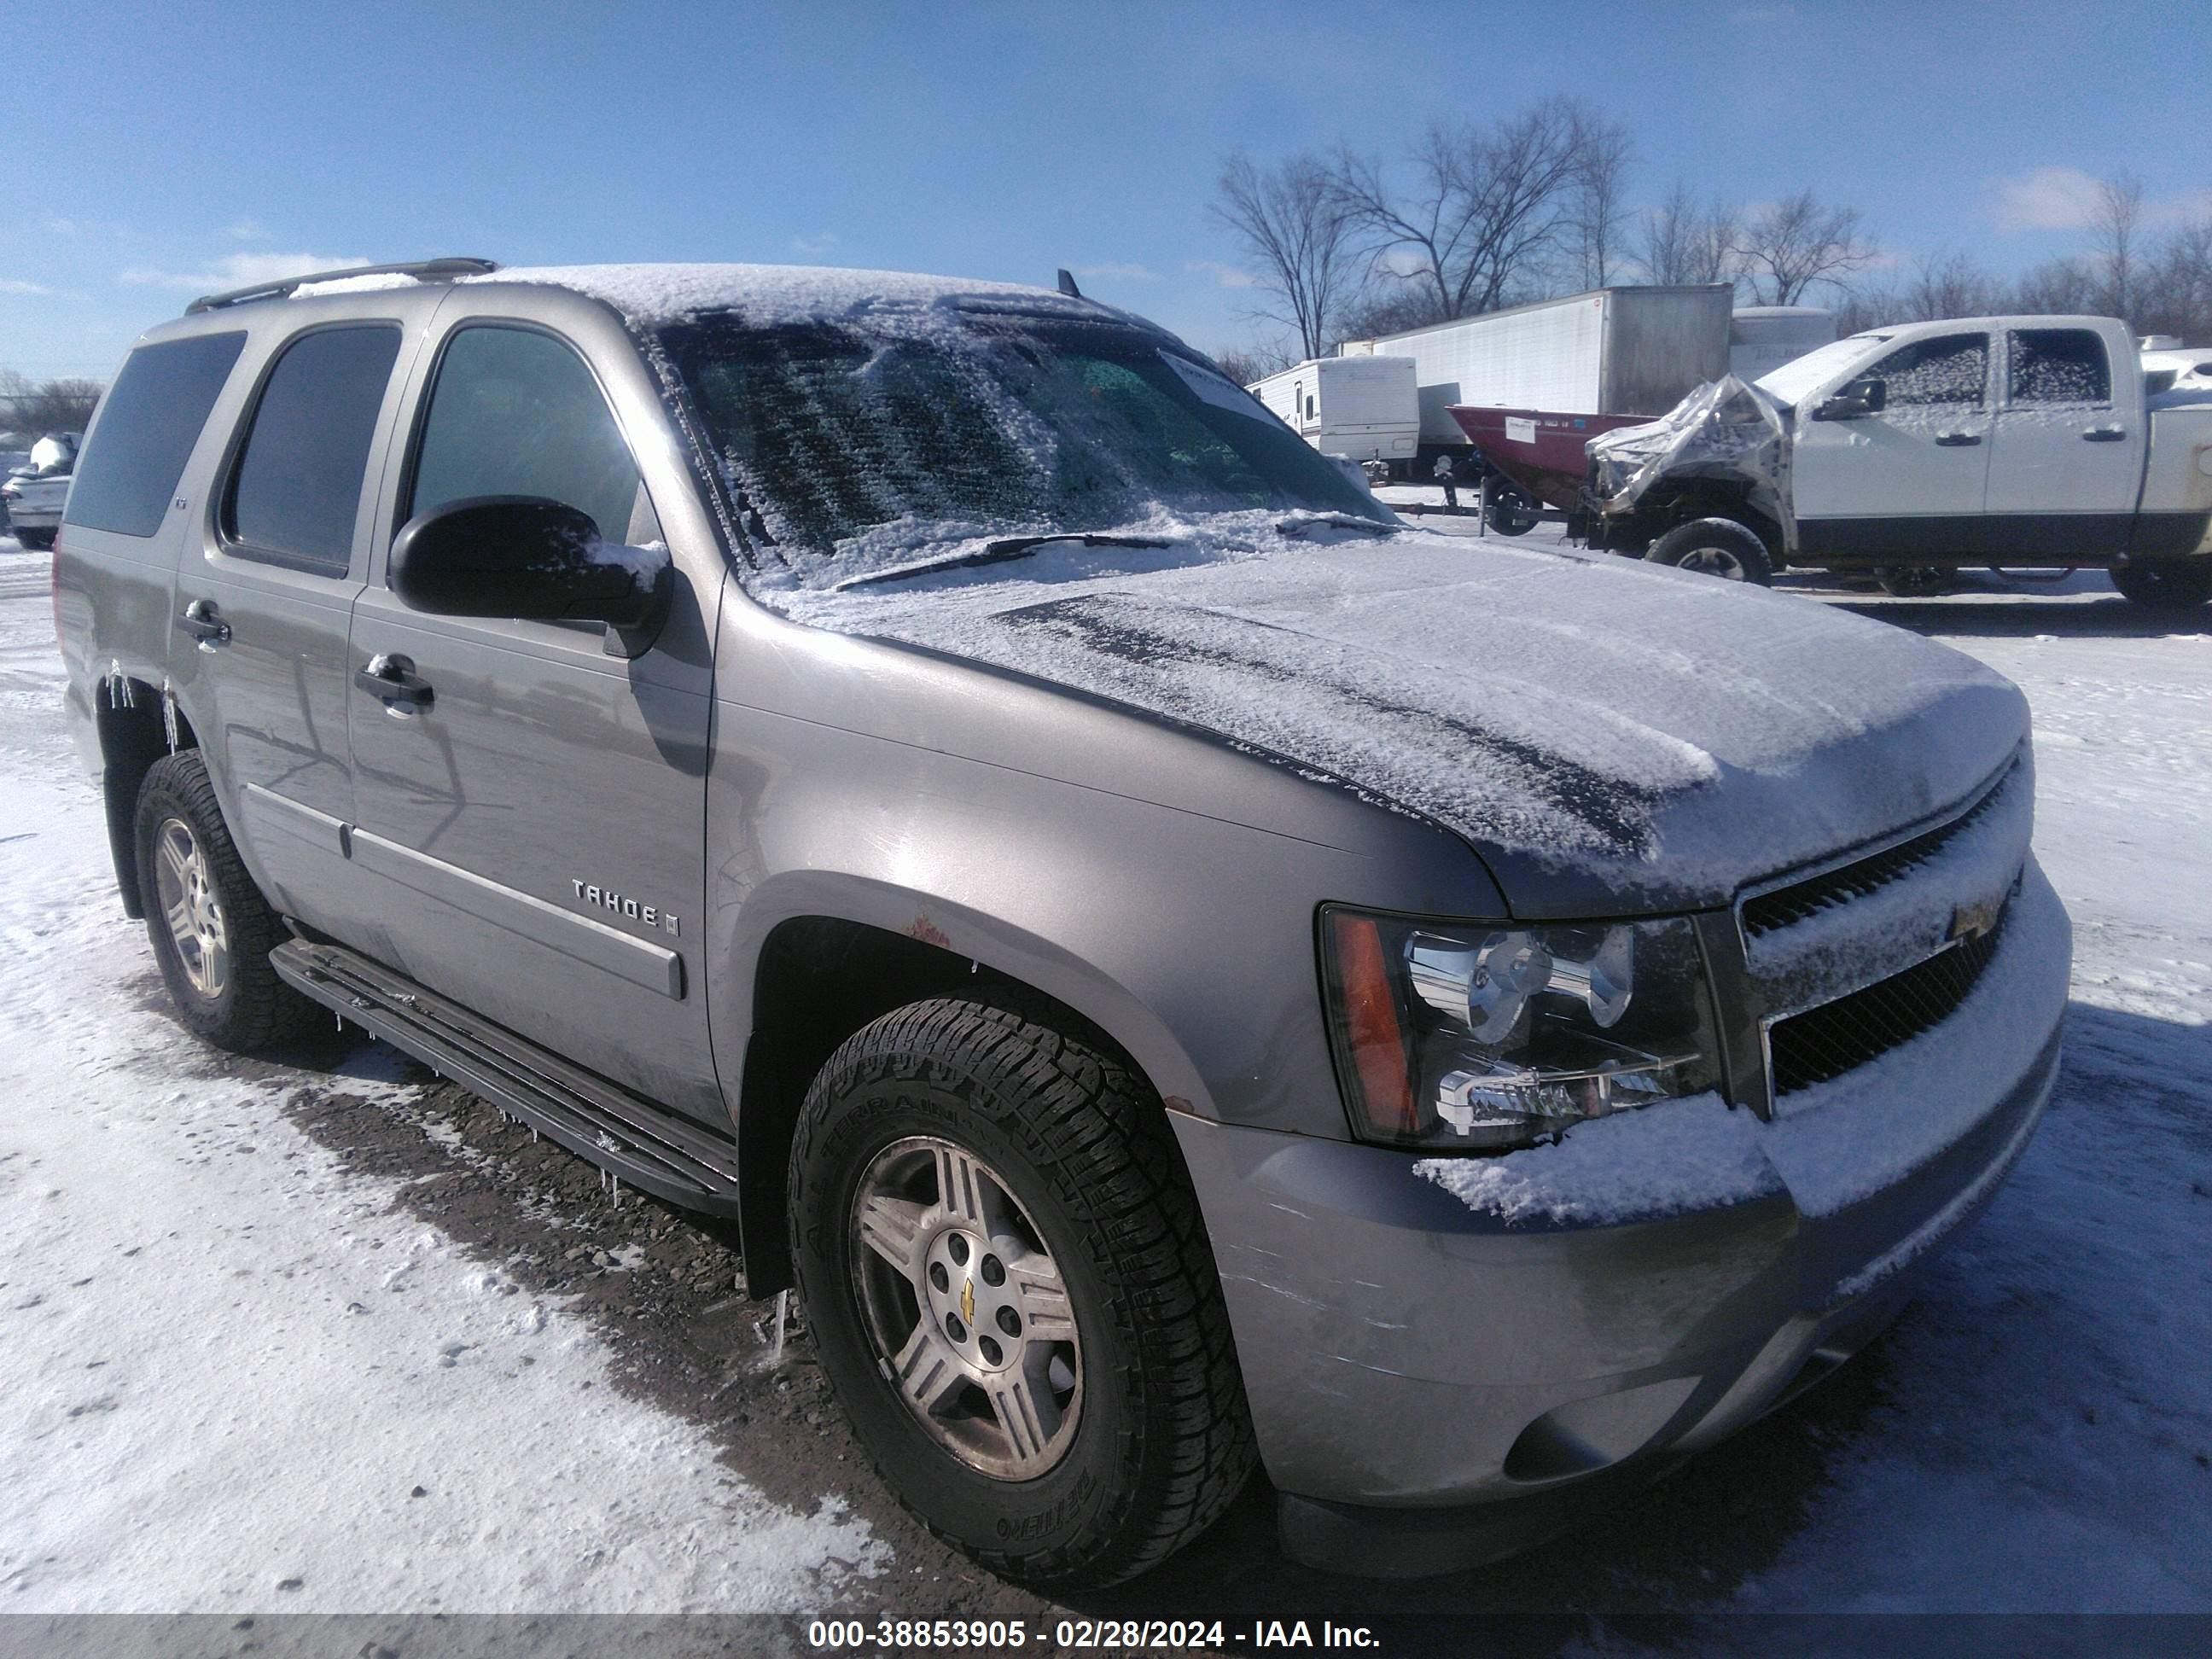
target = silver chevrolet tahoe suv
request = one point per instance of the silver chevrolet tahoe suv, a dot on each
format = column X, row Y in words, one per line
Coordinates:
column 1178, row 970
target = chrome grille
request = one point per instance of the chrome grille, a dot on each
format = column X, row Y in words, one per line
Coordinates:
column 1786, row 905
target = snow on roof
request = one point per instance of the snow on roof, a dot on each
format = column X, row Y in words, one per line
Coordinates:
column 652, row 296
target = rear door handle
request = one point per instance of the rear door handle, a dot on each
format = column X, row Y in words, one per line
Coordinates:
column 205, row 624
column 1957, row 439
column 394, row 679
column 2103, row 434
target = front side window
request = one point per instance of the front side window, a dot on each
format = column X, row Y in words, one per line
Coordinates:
column 515, row 412
column 857, row 444
column 148, row 422
column 1950, row 369
column 2058, row 365
column 297, row 491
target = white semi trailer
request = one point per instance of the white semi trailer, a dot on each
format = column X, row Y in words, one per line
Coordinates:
column 1362, row 408
column 1610, row 351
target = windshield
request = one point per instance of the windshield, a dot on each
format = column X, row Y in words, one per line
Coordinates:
column 1790, row 382
column 864, row 444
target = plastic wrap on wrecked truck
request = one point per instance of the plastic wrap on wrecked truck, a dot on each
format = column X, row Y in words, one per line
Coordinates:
column 1726, row 429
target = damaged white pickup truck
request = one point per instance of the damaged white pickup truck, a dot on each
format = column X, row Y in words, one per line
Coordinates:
column 1907, row 454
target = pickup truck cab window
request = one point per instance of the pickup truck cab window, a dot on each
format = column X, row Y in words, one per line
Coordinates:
column 1951, row 368
column 296, row 491
column 2056, row 366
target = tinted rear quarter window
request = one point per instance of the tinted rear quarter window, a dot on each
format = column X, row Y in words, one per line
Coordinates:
column 2058, row 365
column 147, row 424
column 297, row 487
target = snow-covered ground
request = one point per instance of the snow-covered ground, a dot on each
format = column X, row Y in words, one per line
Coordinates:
column 236, row 1375
column 229, row 1357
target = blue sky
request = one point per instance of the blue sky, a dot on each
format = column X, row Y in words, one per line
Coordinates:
column 176, row 148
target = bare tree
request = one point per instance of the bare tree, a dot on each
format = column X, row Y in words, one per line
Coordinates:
column 1950, row 286
column 2055, row 286
column 1296, row 231
column 1599, row 210
column 2115, row 219
column 64, row 405
column 1486, row 205
column 2178, row 285
column 1682, row 242
column 1245, row 364
column 1797, row 242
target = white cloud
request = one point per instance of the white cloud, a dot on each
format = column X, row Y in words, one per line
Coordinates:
column 240, row 270
column 2065, row 199
column 13, row 285
column 1224, row 275
column 823, row 244
column 248, row 230
column 2049, row 198
column 1121, row 273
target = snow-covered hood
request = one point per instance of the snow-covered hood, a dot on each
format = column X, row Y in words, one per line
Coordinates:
column 1608, row 736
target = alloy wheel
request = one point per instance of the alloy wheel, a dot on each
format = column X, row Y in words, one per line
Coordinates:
column 189, row 905
column 966, row 1309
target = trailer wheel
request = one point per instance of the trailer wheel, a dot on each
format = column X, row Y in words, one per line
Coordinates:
column 1716, row 547
column 1511, row 513
column 2174, row 585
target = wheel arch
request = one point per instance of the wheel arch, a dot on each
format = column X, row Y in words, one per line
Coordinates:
column 816, row 973
column 135, row 724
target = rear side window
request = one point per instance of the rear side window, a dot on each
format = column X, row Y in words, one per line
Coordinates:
column 297, row 488
column 2059, row 366
column 147, row 424
column 515, row 412
column 1951, row 368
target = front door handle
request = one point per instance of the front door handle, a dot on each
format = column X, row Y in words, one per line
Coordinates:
column 1957, row 439
column 394, row 679
column 2103, row 434
column 205, row 624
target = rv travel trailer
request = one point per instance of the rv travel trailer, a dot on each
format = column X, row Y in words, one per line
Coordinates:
column 1362, row 408
column 1761, row 338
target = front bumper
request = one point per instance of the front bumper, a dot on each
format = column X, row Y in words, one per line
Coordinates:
column 1481, row 1376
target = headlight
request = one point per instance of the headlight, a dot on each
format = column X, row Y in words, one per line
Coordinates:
column 1482, row 1038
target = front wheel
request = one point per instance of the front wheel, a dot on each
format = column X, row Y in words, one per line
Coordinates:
column 1716, row 547
column 2177, row 584
column 1012, row 1293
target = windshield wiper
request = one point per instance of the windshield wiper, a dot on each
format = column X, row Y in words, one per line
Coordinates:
column 1007, row 547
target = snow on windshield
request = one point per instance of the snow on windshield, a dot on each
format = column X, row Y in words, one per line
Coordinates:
column 868, row 442
column 1790, row 382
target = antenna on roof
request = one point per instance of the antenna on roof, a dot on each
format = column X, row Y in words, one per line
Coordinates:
column 1067, row 284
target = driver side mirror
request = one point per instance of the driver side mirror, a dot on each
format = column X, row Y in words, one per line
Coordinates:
column 1854, row 399
column 531, row 558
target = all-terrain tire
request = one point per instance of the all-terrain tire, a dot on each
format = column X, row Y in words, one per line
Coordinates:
column 1159, row 1440
column 2167, row 584
column 251, row 1009
column 1717, row 547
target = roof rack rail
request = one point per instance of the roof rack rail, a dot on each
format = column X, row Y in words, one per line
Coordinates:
column 427, row 269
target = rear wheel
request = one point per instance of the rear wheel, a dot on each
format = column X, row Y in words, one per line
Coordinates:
column 212, row 929
column 1716, row 547
column 35, row 541
column 2175, row 585
column 1011, row 1291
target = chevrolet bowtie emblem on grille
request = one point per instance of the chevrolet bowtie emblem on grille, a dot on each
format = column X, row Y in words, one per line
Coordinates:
column 968, row 1300
column 1973, row 921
